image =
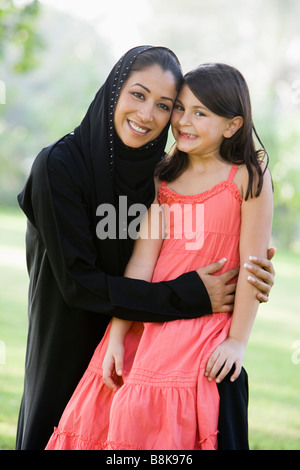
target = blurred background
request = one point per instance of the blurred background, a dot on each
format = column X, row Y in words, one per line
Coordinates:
column 54, row 55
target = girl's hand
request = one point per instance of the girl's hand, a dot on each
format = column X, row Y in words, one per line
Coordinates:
column 261, row 274
column 230, row 352
column 113, row 365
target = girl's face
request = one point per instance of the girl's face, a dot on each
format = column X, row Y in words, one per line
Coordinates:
column 144, row 106
column 197, row 130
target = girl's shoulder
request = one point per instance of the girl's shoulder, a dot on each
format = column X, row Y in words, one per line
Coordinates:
column 241, row 178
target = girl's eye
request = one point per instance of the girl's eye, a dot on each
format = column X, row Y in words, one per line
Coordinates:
column 198, row 113
column 178, row 107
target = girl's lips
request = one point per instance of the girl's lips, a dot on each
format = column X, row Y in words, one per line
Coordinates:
column 187, row 136
column 137, row 128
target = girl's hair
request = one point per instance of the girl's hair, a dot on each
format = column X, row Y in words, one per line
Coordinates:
column 161, row 56
column 223, row 90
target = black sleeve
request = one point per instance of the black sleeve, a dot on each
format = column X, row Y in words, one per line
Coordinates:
column 54, row 202
column 184, row 297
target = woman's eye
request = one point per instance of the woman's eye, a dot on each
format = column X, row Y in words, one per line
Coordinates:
column 198, row 113
column 164, row 107
column 138, row 95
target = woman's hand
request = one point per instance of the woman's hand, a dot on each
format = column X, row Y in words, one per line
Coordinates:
column 228, row 354
column 221, row 294
column 262, row 274
column 113, row 365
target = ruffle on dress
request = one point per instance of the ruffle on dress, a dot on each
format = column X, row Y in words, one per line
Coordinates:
column 168, row 196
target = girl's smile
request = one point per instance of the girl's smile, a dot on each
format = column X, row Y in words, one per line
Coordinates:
column 184, row 135
column 196, row 129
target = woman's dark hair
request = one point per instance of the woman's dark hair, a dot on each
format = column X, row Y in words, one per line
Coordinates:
column 223, row 90
column 161, row 56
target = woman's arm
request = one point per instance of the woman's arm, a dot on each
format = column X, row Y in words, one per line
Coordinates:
column 255, row 235
column 54, row 200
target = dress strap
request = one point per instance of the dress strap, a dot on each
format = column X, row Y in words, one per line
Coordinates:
column 232, row 173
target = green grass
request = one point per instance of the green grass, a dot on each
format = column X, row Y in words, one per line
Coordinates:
column 274, row 410
column 273, row 363
column 13, row 321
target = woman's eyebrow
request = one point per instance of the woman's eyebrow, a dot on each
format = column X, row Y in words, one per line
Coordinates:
column 147, row 89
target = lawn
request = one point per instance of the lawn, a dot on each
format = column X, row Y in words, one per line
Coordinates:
column 272, row 359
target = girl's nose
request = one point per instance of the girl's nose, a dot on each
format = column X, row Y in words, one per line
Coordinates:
column 185, row 119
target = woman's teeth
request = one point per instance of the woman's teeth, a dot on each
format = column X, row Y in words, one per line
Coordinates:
column 137, row 128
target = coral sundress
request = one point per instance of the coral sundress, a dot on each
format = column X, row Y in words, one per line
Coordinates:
column 165, row 402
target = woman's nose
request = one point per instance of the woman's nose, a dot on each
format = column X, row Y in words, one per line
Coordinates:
column 145, row 112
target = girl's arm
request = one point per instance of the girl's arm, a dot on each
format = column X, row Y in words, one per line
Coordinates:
column 140, row 266
column 255, row 235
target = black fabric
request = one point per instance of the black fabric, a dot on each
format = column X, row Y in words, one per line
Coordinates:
column 233, row 415
column 114, row 169
column 76, row 279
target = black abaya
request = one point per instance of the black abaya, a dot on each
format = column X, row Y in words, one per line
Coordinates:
column 76, row 281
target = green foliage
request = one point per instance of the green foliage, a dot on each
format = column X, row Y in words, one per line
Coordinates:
column 49, row 100
column 18, row 36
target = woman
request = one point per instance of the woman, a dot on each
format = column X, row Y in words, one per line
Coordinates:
column 76, row 281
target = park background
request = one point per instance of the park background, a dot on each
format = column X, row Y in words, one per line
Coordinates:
column 54, row 55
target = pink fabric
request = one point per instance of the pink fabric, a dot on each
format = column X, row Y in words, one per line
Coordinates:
column 165, row 402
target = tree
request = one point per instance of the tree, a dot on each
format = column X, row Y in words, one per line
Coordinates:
column 20, row 44
column 49, row 96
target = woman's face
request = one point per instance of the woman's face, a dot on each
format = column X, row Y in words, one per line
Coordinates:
column 144, row 106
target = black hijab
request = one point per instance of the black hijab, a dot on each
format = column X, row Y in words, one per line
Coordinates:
column 115, row 169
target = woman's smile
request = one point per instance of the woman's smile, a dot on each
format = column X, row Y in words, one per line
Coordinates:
column 138, row 128
column 144, row 106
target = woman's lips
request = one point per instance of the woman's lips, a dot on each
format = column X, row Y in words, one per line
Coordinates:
column 137, row 128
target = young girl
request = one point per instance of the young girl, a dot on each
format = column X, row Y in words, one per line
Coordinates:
column 214, row 196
